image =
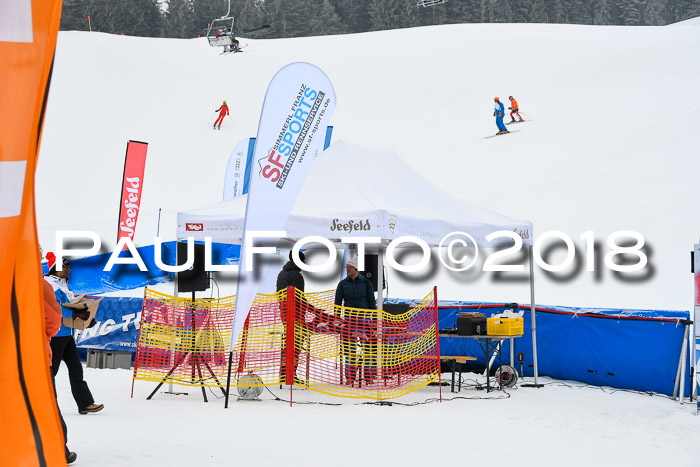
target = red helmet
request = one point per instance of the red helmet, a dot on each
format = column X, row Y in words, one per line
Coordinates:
column 496, row 99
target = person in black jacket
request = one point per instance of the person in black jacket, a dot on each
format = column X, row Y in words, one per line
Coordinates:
column 290, row 275
column 355, row 291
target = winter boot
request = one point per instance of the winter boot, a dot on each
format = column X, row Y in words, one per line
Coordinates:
column 92, row 408
column 219, row 127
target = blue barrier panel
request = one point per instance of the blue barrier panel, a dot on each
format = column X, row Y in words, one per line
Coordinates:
column 116, row 326
column 626, row 349
column 88, row 275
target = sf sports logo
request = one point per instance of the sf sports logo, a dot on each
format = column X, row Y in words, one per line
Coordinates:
column 194, row 227
column 273, row 165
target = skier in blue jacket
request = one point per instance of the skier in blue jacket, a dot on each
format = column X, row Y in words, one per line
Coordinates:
column 498, row 112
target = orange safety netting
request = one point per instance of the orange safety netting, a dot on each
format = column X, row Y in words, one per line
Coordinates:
column 339, row 351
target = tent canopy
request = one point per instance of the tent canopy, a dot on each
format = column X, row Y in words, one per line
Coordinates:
column 353, row 191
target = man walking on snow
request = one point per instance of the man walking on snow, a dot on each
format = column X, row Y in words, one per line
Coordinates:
column 498, row 110
column 223, row 111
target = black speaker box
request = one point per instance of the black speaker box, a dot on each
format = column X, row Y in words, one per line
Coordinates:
column 371, row 270
column 471, row 326
column 195, row 279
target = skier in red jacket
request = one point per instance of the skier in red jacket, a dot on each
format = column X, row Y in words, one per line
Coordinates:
column 223, row 111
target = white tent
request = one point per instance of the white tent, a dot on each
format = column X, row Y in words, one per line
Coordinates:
column 353, row 191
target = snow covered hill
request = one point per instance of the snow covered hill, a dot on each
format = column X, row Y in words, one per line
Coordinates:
column 611, row 142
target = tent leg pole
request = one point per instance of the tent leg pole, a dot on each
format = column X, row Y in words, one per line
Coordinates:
column 684, row 349
column 679, row 370
column 533, row 319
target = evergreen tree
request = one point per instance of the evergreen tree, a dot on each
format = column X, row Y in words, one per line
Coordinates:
column 502, row 12
column 521, row 11
column 295, row 20
column 178, row 19
column 555, row 11
column 382, row 14
column 602, row 12
column 652, row 13
column 629, row 12
column 407, row 15
column 539, row 11
column 325, row 20
column 354, row 15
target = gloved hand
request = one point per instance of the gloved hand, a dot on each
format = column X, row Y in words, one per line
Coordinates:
column 81, row 313
column 510, row 108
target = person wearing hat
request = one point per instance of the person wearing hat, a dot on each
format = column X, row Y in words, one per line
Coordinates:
column 498, row 111
column 514, row 109
column 63, row 345
column 223, row 111
column 356, row 291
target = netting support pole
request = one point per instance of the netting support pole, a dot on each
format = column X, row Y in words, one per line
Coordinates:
column 290, row 371
column 228, row 378
column 437, row 339
column 138, row 338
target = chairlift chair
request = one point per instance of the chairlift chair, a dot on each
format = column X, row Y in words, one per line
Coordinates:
column 427, row 3
column 224, row 24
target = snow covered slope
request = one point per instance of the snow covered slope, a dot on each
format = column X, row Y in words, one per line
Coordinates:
column 612, row 143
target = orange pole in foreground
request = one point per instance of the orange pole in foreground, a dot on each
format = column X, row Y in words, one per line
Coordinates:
column 30, row 431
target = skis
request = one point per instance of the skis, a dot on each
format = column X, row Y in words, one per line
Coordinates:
column 501, row 134
column 238, row 49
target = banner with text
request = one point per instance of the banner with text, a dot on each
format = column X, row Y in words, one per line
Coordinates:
column 132, row 187
column 238, row 169
column 299, row 102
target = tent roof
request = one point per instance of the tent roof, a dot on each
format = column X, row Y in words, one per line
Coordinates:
column 353, row 191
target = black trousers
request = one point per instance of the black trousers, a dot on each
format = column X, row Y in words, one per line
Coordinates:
column 63, row 423
column 64, row 348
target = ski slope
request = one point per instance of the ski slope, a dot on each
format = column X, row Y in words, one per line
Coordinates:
column 611, row 143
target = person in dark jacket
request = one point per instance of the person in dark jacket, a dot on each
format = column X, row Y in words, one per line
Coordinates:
column 355, row 291
column 290, row 275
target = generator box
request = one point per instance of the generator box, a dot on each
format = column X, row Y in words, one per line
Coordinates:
column 475, row 326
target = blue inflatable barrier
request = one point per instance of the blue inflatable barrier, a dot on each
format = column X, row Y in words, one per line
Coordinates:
column 116, row 326
column 88, row 275
column 626, row 349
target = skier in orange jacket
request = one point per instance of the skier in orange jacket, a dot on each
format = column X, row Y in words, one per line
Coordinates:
column 514, row 109
column 223, row 111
